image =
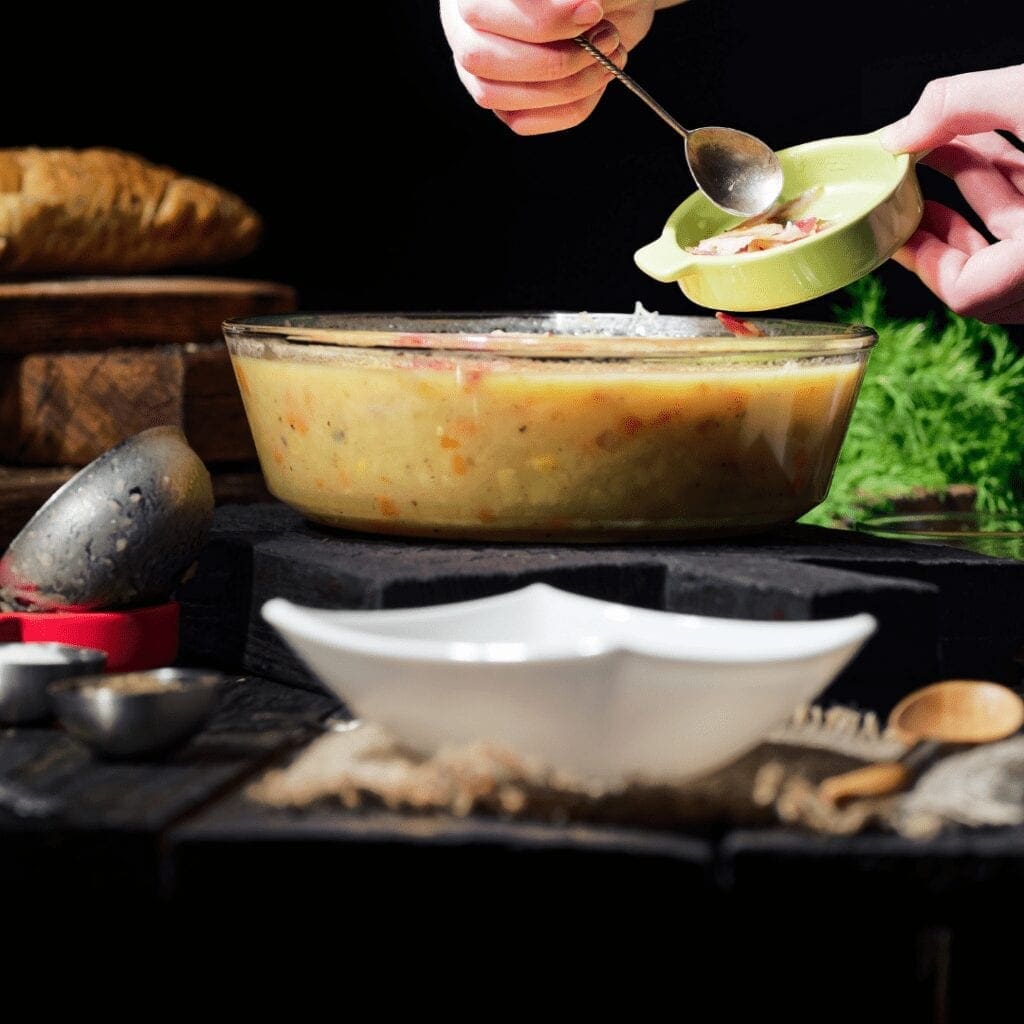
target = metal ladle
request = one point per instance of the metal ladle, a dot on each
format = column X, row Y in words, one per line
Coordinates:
column 736, row 171
column 119, row 534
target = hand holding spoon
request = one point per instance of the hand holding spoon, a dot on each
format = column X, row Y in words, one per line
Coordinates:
column 957, row 712
column 736, row 171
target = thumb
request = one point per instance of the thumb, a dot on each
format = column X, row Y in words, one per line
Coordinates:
column 979, row 101
column 900, row 136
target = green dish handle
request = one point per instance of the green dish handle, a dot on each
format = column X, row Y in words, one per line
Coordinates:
column 663, row 259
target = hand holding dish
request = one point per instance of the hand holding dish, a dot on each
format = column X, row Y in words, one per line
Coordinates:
column 870, row 204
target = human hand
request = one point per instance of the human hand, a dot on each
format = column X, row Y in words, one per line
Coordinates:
column 518, row 59
column 956, row 119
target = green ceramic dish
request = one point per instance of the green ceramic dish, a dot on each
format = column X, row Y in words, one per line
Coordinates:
column 872, row 199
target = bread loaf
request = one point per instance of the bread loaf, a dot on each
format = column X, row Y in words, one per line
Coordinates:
column 105, row 211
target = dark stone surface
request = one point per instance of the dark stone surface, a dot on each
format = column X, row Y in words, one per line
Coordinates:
column 942, row 611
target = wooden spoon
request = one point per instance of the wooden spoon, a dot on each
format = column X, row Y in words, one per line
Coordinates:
column 954, row 712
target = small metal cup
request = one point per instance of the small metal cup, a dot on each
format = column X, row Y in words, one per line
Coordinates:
column 123, row 725
column 23, row 682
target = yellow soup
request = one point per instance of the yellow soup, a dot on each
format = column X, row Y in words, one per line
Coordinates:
column 492, row 448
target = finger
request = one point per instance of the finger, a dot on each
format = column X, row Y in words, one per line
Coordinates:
column 1002, row 155
column 633, row 20
column 991, row 194
column 497, row 59
column 1012, row 314
column 535, row 95
column 531, row 22
column 971, row 284
column 550, row 119
column 979, row 101
column 952, row 228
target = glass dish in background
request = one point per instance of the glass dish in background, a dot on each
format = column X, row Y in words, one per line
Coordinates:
column 993, row 534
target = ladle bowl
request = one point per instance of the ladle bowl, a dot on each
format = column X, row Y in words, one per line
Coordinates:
column 118, row 534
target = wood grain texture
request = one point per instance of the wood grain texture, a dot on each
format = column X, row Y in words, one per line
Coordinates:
column 22, row 491
column 873, row 780
column 69, row 408
column 101, row 312
column 95, row 830
column 212, row 414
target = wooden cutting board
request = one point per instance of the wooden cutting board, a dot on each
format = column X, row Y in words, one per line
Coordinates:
column 86, row 363
column 68, row 408
column 89, row 313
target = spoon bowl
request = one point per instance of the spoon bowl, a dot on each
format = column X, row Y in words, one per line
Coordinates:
column 737, row 172
column 958, row 711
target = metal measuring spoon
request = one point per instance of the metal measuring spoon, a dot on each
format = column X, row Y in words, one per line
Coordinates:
column 736, row 171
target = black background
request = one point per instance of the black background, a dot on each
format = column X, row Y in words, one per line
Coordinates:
column 384, row 187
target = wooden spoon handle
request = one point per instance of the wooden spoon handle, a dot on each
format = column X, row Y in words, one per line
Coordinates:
column 872, row 780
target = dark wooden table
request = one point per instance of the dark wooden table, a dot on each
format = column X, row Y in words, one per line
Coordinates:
column 178, row 836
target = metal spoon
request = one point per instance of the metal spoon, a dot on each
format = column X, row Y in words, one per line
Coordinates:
column 957, row 712
column 736, row 171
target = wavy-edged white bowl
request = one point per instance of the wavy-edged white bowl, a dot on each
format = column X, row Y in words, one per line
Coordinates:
column 601, row 690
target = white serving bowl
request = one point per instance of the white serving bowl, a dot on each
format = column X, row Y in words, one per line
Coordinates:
column 601, row 690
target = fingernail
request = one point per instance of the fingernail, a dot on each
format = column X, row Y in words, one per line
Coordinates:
column 587, row 13
column 605, row 39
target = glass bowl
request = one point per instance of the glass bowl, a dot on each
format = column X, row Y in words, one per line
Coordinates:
column 983, row 532
column 547, row 426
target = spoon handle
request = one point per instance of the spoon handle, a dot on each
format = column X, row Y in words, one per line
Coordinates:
column 632, row 86
column 882, row 778
column 872, row 780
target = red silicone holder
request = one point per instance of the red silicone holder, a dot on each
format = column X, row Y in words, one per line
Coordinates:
column 135, row 640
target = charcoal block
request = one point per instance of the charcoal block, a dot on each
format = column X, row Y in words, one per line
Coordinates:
column 941, row 611
column 982, row 595
column 903, row 653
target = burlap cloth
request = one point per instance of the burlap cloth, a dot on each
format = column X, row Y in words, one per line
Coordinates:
column 359, row 765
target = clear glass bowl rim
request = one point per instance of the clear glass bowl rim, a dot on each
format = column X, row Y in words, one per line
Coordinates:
column 900, row 526
column 561, row 335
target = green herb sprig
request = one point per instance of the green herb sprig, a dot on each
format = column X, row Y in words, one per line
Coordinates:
column 941, row 404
